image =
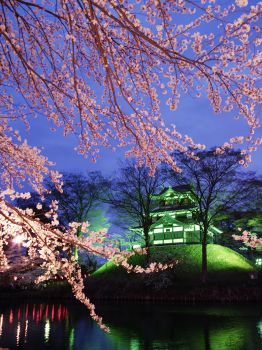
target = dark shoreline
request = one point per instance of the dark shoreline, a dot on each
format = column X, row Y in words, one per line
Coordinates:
column 210, row 295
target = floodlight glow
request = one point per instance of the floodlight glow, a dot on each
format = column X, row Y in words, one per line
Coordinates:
column 18, row 239
column 259, row 262
column 136, row 246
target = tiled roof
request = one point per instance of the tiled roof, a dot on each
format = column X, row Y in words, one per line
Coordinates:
column 172, row 208
column 180, row 188
column 165, row 220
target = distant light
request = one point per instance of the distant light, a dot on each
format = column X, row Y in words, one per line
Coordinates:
column 259, row 262
column 18, row 239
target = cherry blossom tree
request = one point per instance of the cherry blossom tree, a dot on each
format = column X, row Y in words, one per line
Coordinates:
column 248, row 238
column 46, row 241
column 100, row 69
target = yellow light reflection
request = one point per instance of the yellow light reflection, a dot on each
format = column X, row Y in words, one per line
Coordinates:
column 47, row 330
column 18, row 331
column 26, row 330
column 1, row 324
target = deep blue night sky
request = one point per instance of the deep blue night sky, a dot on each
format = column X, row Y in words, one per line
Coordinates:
column 193, row 117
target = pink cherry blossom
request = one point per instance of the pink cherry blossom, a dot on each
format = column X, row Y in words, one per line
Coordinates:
column 97, row 69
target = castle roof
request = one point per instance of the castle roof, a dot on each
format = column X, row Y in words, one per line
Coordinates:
column 180, row 189
column 173, row 208
column 174, row 192
column 166, row 220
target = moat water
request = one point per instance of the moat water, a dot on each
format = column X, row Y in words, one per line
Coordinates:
column 67, row 325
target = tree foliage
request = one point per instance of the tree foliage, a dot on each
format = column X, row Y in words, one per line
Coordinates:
column 131, row 195
column 218, row 187
column 80, row 197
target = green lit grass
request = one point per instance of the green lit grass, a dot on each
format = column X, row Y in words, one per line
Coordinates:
column 223, row 263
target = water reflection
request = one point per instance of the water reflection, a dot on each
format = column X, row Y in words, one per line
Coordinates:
column 47, row 330
column 133, row 327
column 1, row 324
column 71, row 339
column 18, row 329
column 26, row 329
column 186, row 327
column 259, row 327
column 30, row 324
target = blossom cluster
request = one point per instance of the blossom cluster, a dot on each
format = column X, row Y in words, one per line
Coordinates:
column 249, row 239
column 54, row 247
column 99, row 69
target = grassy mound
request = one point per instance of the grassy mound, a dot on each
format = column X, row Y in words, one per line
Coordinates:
column 223, row 263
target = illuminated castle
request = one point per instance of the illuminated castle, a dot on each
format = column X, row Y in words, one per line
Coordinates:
column 173, row 219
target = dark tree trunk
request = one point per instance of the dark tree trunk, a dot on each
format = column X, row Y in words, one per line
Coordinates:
column 147, row 243
column 206, row 335
column 204, row 256
column 78, row 233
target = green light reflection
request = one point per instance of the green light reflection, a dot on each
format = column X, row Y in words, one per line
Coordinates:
column 134, row 344
column 259, row 327
column 71, row 339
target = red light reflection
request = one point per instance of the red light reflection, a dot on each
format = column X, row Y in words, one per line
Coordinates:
column 11, row 316
column 38, row 313
column 46, row 311
column 53, row 313
column 26, row 311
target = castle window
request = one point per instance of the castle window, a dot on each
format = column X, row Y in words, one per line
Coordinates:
column 159, row 236
column 178, row 234
column 168, row 235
